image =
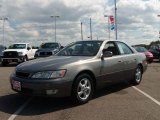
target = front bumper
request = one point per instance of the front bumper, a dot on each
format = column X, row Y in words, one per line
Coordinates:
column 16, row 59
column 53, row 87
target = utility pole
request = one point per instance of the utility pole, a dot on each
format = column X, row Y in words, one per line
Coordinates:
column 55, row 24
column 3, row 19
column 81, row 31
column 159, row 30
column 115, row 2
column 90, row 29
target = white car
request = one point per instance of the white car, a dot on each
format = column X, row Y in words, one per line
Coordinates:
column 18, row 52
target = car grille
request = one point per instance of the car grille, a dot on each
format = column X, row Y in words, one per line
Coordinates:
column 11, row 54
column 22, row 74
column 45, row 53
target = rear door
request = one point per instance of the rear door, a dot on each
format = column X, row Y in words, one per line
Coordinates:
column 129, row 59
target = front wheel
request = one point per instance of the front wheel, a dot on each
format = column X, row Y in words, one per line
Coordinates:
column 25, row 58
column 137, row 76
column 4, row 63
column 83, row 89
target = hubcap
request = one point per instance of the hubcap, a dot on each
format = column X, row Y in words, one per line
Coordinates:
column 138, row 75
column 84, row 89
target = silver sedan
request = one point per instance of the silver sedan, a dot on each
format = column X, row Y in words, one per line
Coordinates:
column 79, row 69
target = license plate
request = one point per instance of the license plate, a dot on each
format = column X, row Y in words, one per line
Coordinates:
column 16, row 85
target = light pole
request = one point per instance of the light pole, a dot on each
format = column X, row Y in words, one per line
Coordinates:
column 5, row 18
column 81, row 31
column 159, row 30
column 108, row 25
column 90, row 28
column 55, row 18
column 115, row 3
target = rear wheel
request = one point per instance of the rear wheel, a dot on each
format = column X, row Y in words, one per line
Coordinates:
column 83, row 89
column 137, row 76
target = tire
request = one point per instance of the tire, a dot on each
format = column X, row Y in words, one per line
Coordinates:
column 137, row 76
column 25, row 58
column 150, row 61
column 83, row 89
column 4, row 63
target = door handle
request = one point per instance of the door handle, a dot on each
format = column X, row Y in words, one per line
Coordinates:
column 119, row 61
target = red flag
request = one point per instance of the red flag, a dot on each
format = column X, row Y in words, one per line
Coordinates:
column 111, row 19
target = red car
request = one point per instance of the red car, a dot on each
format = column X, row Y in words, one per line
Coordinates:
column 148, row 54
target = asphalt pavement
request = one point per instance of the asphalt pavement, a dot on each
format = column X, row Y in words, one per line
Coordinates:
column 117, row 102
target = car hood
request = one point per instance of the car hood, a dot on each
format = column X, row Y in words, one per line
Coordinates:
column 46, row 49
column 49, row 63
column 17, row 50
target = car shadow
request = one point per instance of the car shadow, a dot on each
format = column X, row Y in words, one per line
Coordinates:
column 41, row 105
column 9, row 65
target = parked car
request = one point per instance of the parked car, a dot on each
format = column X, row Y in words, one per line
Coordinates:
column 148, row 54
column 79, row 69
column 155, row 50
column 18, row 52
column 48, row 49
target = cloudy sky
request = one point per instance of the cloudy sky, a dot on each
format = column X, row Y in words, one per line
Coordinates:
column 30, row 21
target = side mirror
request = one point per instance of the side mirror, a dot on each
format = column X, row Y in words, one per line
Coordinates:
column 28, row 48
column 107, row 53
column 61, row 47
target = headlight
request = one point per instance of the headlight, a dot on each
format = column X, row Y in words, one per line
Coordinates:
column 49, row 74
column 37, row 51
column 20, row 53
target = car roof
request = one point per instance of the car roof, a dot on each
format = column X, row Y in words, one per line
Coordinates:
column 20, row 43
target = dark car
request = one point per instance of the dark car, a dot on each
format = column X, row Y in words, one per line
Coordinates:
column 79, row 69
column 148, row 54
column 48, row 49
column 155, row 50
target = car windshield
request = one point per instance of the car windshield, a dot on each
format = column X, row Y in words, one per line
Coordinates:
column 141, row 49
column 49, row 45
column 18, row 46
column 81, row 48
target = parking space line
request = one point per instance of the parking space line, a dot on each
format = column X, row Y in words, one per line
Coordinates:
column 13, row 116
column 148, row 96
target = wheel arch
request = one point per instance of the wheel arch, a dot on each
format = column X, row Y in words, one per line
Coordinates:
column 89, row 72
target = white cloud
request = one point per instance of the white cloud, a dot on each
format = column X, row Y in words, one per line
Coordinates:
column 30, row 20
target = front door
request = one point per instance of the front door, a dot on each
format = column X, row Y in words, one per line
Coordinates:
column 112, row 68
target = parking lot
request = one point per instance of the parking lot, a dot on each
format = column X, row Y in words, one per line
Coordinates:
column 117, row 102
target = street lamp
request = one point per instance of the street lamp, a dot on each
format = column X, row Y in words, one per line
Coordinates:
column 159, row 30
column 108, row 25
column 55, row 18
column 5, row 18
